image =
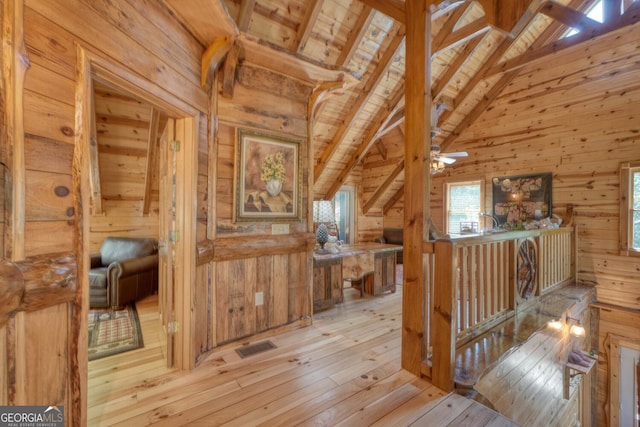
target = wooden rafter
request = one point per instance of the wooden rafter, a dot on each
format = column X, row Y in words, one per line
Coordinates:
column 382, row 150
column 470, row 118
column 569, row 17
column 380, row 121
column 212, row 58
column 393, row 200
column 244, row 14
column 630, row 17
column 448, row 27
column 454, row 67
column 470, row 31
column 478, row 77
column 356, row 36
column 396, row 120
column 392, row 8
column 506, row 15
column 357, row 106
column 385, row 185
column 229, row 72
column 310, row 17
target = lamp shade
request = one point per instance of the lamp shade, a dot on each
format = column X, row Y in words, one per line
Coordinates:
column 323, row 211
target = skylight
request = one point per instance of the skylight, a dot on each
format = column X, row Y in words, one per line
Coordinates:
column 595, row 13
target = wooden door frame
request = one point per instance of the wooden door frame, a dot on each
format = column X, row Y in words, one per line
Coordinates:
column 92, row 66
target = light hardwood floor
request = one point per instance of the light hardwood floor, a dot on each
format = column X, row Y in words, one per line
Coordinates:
column 342, row 370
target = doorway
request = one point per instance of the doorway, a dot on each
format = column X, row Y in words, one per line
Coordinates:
column 119, row 196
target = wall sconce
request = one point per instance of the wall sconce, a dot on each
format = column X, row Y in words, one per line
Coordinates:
column 322, row 213
column 577, row 330
column 556, row 324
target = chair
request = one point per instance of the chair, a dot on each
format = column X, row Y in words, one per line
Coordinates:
column 125, row 270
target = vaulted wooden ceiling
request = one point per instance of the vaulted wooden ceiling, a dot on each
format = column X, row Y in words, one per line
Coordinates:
column 478, row 48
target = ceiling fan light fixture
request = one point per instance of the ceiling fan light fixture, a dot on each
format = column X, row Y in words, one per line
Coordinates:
column 437, row 166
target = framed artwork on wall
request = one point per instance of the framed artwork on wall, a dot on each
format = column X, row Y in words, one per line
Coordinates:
column 521, row 198
column 268, row 177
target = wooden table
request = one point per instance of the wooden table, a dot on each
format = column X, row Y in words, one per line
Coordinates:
column 372, row 264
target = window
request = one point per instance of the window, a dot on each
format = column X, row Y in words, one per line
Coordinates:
column 464, row 204
column 630, row 208
column 344, row 207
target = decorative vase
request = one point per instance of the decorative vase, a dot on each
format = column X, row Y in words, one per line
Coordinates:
column 322, row 237
column 274, row 187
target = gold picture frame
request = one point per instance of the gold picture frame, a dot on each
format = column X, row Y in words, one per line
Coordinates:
column 268, row 179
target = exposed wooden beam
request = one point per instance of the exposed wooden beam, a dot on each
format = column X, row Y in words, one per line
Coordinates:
column 505, row 15
column 396, row 120
column 548, row 34
column 357, row 34
column 152, row 159
column 381, row 120
column 393, row 200
column 359, row 103
column 212, row 58
column 244, row 14
column 611, row 9
column 229, row 70
column 479, row 109
column 452, row 69
column 475, row 29
column 392, row 8
column 382, row 150
column 304, row 29
column 478, row 76
column 569, row 17
column 207, row 20
column 448, row 27
column 630, row 17
column 385, row 185
column 280, row 61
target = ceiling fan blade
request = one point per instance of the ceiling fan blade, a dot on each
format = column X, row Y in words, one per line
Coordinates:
column 445, row 160
column 455, row 154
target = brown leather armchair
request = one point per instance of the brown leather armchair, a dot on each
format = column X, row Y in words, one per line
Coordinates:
column 125, row 270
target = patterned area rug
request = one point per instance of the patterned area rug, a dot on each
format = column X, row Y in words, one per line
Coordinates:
column 113, row 332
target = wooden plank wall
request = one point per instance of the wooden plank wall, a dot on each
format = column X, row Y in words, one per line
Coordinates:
column 275, row 104
column 36, row 342
column 575, row 115
column 613, row 323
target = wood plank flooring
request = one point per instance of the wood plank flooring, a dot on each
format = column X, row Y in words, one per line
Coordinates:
column 342, row 370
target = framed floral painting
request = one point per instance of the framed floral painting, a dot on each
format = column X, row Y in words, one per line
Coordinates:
column 268, row 177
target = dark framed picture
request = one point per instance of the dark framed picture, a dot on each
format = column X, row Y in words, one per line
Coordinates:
column 268, row 177
column 522, row 198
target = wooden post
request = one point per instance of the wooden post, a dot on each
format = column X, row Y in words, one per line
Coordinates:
column 417, row 180
column 443, row 324
column 15, row 63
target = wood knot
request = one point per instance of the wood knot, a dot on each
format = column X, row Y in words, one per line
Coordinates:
column 67, row 131
column 61, row 191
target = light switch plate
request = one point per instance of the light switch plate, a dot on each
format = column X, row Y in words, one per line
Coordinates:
column 259, row 298
column 279, row 228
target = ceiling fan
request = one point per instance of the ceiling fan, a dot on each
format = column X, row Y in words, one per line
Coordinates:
column 440, row 160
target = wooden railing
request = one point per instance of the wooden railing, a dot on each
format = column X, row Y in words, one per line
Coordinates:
column 473, row 283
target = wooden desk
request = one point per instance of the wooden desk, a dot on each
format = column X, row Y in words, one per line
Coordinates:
column 372, row 263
